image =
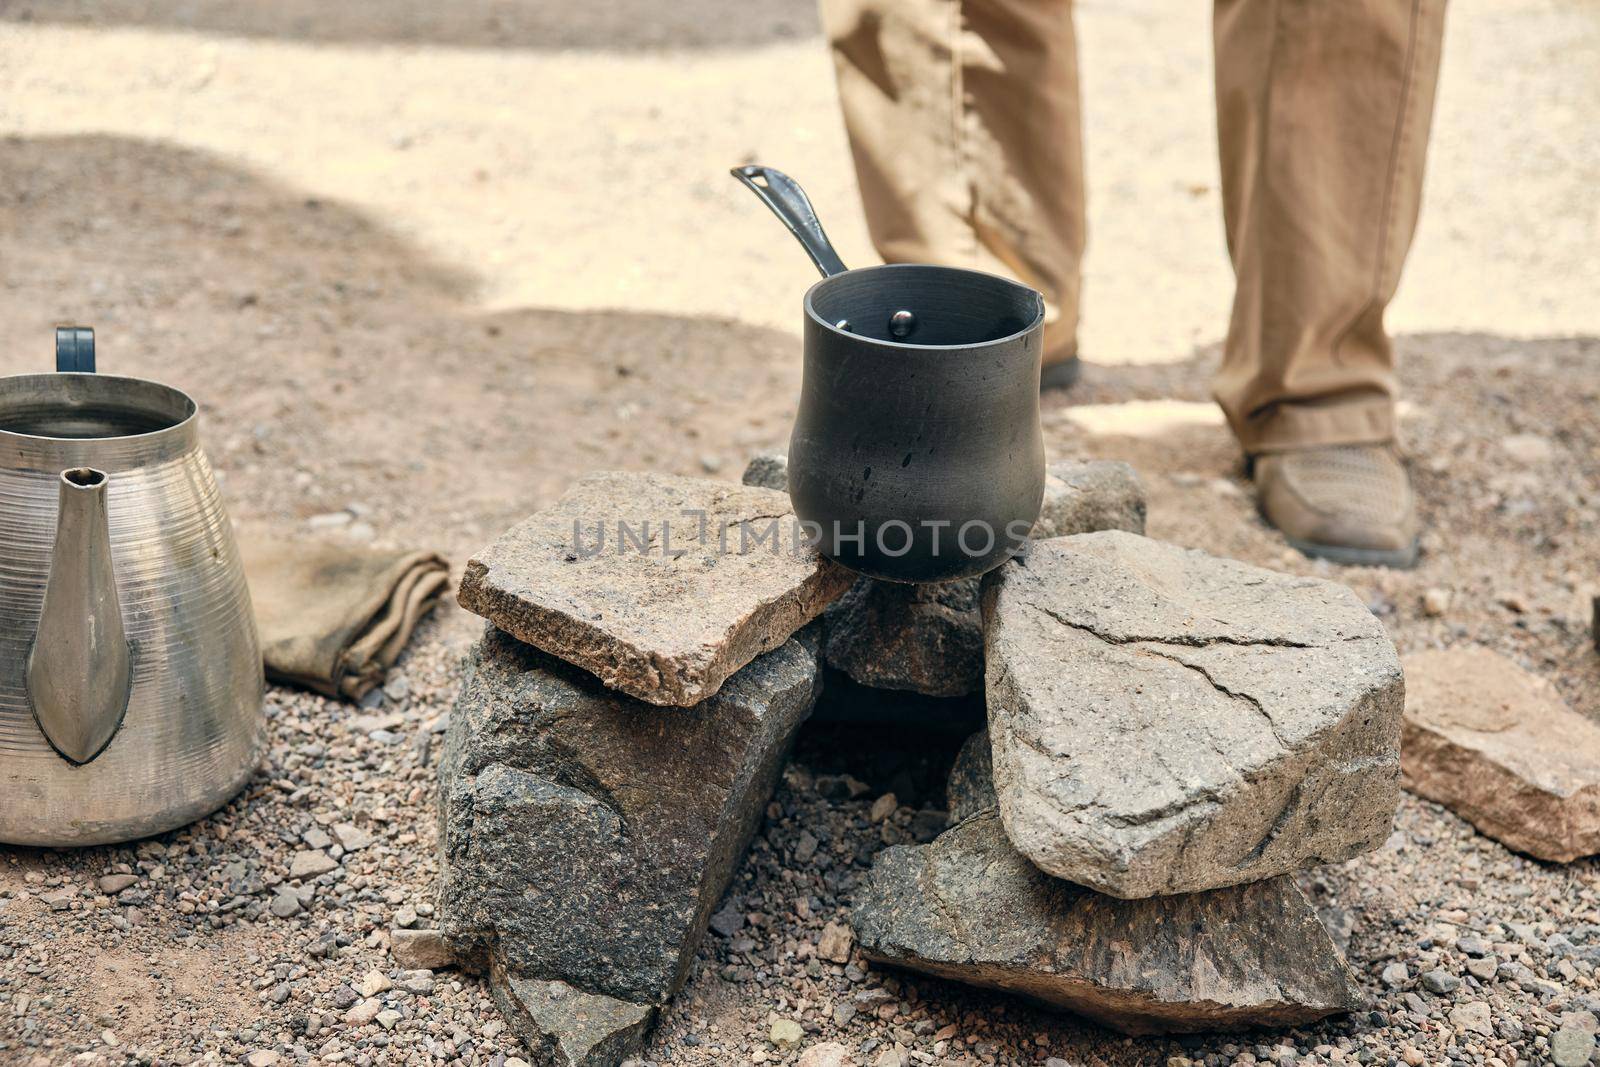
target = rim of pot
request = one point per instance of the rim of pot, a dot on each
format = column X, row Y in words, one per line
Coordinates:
column 110, row 386
column 905, row 346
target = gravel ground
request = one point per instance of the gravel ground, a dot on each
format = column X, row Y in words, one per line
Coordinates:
column 1471, row 953
column 389, row 281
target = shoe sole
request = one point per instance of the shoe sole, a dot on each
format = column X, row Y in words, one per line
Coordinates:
column 1397, row 558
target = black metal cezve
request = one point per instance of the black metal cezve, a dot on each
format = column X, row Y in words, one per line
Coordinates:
column 916, row 451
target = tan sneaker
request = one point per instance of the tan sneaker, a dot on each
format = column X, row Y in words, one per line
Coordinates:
column 1346, row 503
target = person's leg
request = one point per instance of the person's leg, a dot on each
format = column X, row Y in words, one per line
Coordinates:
column 964, row 124
column 1323, row 112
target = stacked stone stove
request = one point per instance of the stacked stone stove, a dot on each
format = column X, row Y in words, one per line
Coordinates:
column 1170, row 736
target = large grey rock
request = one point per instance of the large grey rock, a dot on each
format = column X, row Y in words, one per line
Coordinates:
column 660, row 586
column 1499, row 747
column 586, row 836
column 929, row 638
column 970, row 788
column 924, row 639
column 565, row 1027
column 1164, row 721
column 970, row 908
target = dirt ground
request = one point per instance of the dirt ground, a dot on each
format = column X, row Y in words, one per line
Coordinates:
column 426, row 263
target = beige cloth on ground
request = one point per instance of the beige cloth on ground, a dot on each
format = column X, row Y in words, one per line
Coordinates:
column 333, row 617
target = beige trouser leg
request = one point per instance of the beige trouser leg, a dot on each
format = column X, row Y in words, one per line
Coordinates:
column 963, row 119
column 1323, row 111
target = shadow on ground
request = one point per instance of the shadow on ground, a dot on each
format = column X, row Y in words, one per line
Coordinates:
column 601, row 25
column 337, row 365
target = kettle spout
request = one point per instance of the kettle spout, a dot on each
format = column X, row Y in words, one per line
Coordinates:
column 80, row 671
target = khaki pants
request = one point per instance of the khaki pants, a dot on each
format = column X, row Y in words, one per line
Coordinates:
column 964, row 123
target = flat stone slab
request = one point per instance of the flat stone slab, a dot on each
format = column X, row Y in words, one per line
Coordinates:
column 1500, row 748
column 660, row 586
column 929, row 638
column 970, row 908
column 565, row 1027
column 1099, row 494
column 1164, row 721
column 586, row 836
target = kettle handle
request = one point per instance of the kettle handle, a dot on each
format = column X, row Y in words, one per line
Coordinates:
column 74, row 350
column 789, row 202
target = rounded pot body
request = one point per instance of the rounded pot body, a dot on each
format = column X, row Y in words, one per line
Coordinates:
column 193, row 728
column 916, row 454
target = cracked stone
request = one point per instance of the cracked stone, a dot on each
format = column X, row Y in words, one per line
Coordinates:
column 970, row 908
column 1216, row 724
column 577, row 839
column 667, row 609
column 928, row 639
column 1500, row 748
column 565, row 1027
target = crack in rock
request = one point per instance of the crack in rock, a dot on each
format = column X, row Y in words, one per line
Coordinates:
column 1119, row 772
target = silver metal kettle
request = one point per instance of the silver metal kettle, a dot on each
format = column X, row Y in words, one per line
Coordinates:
column 131, row 684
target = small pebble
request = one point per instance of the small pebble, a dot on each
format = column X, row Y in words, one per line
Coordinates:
column 786, row 1033
column 1441, row 982
column 1435, row 601
column 1571, row 1047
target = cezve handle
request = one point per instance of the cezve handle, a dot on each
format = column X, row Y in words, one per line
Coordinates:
column 74, row 350
column 789, row 202
column 80, row 669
